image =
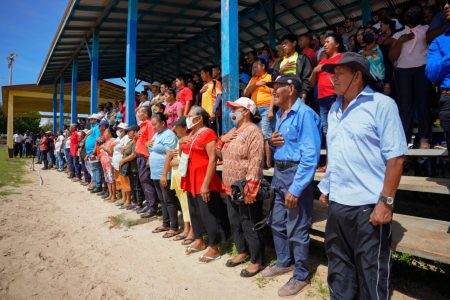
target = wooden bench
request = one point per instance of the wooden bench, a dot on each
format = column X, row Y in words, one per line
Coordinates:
column 426, row 238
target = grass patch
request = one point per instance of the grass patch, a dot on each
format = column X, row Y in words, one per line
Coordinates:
column 116, row 221
column 12, row 174
column 262, row 281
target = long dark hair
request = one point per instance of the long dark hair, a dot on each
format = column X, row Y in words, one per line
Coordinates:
column 256, row 117
column 338, row 40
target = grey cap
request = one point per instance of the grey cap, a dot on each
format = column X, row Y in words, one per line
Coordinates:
column 287, row 79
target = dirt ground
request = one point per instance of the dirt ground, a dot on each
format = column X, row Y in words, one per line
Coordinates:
column 56, row 243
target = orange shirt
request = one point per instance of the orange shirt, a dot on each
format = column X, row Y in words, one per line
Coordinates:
column 261, row 95
column 146, row 133
column 209, row 97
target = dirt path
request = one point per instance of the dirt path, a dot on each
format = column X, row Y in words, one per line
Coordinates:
column 55, row 243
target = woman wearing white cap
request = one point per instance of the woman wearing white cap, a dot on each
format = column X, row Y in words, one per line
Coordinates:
column 121, row 140
column 242, row 150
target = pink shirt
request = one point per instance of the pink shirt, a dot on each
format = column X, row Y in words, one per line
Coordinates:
column 414, row 52
column 174, row 110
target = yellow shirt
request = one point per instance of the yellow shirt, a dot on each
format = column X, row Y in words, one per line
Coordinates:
column 209, row 97
column 261, row 95
column 292, row 58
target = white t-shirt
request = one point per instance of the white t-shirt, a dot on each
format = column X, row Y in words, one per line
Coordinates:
column 414, row 52
column 67, row 144
column 18, row 138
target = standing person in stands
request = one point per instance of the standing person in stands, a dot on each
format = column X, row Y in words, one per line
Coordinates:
column 438, row 70
column 409, row 54
column 106, row 151
column 174, row 109
column 365, row 164
column 184, row 94
column 304, row 42
column 143, row 102
column 387, row 28
column 242, row 150
column 294, row 63
column 296, row 145
column 18, row 142
column 129, row 171
column 74, row 140
column 261, row 95
column 91, row 159
column 144, row 136
column 43, row 147
column 333, row 48
column 66, row 145
column 203, row 185
column 373, row 54
column 162, row 144
column 117, row 155
column 211, row 98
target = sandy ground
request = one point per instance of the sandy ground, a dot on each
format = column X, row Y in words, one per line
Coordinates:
column 56, row 243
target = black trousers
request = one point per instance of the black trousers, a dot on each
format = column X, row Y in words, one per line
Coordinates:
column 136, row 189
column 44, row 158
column 242, row 219
column 168, row 205
column 18, row 149
column 359, row 254
column 28, row 149
column 208, row 218
column 444, row 116
column 413, row 92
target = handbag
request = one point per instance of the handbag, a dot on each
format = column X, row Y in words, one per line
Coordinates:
column 123, row 170
column 184, row 159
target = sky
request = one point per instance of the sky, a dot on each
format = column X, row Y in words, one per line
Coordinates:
column 27, row 27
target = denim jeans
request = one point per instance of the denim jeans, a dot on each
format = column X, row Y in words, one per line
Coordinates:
column 87, row 175
column 290, row 226
column 265, row 123
column 96, row 173
column 324, row 107
column 76, row 166
column 61, row 161
column 68, row 160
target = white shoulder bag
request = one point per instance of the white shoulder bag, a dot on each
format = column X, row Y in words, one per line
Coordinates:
column 184, row 159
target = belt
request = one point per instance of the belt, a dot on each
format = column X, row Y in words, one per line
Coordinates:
column 282, row 165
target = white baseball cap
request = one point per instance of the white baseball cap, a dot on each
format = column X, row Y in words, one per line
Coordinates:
column 122, row 125
column 243, row 102
column 95, row 116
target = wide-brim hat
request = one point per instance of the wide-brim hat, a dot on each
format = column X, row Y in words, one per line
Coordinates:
column 354, row 61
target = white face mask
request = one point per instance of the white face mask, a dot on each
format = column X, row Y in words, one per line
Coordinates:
column 190, row 123
column 118, row 133
column 236, row 117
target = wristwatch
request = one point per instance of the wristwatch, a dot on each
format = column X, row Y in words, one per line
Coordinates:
column 387, row 200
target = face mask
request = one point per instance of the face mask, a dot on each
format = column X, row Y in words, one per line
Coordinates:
column 118, row 133
column 189, row 122
column 236, row 117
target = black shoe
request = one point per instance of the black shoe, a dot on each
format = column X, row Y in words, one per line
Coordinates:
column 149, row 214
column 246, row 274
column 96, row 190
column 105, row 196
column 142, row 210
column 44, row 168
column 102, row 192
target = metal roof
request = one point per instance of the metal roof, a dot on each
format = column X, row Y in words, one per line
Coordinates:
column 177, row 36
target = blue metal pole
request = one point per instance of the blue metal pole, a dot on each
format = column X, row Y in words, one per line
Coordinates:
column 230, row 58
column 73, row 111
column 55, row 106
column 131, row 60
column 366, row 11
column 61, row 104
column 94, row 73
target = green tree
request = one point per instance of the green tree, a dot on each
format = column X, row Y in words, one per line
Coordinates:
column 21, row 124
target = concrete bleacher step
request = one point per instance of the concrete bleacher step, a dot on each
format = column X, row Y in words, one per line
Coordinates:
column 407, row 183
column 426, row 238
column 415, row 152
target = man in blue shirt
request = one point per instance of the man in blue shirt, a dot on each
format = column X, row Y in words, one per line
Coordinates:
column 94, row 163
column 438, row 71
column 366, row 147
column 296, row 147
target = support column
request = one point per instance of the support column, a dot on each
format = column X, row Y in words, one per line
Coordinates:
column 55, row 106
column 131, row 60
column 94, row 73
column 61, row 104
column 366, row 11
column 73, row 103
column 230, row 58
column 10, row 125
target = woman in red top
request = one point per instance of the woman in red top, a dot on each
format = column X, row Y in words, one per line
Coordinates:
column 333, row 48
column 203, row 185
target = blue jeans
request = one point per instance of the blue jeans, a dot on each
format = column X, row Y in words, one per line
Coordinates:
column 96, row 173
column 324, row 107
column 61, row 161
column 68, row 160
column 76, row 166
column 290, row 227
column 87, row 176
column 265, row 123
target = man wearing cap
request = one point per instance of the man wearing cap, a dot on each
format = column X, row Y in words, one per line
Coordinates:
column 366, row 147
column 296, row 147
column 143, row 101
column 120, row 142
column 94, row 163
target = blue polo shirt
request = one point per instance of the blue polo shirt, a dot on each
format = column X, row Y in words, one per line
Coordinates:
column 438, row 60
column 360, row 141
column 162, row 141
column 300, row 128
column 92, row 139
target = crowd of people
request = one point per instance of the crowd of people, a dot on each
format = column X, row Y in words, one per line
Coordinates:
column 357, row 92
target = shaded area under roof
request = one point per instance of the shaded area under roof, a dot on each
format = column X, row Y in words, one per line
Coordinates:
column 178, row 36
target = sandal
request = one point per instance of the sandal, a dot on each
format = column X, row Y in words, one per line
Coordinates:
column 180, row 237
column 160, row 229
column 208, row 259
column 169, row 235
column 247, row 274
column 187, row 241
column 191, row 250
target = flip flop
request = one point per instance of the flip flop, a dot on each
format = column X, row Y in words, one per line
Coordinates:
column 209, row 259
column 187, row 241
column 179, row 237
column 160, row 229
column 168, row 235
column 191, row 250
